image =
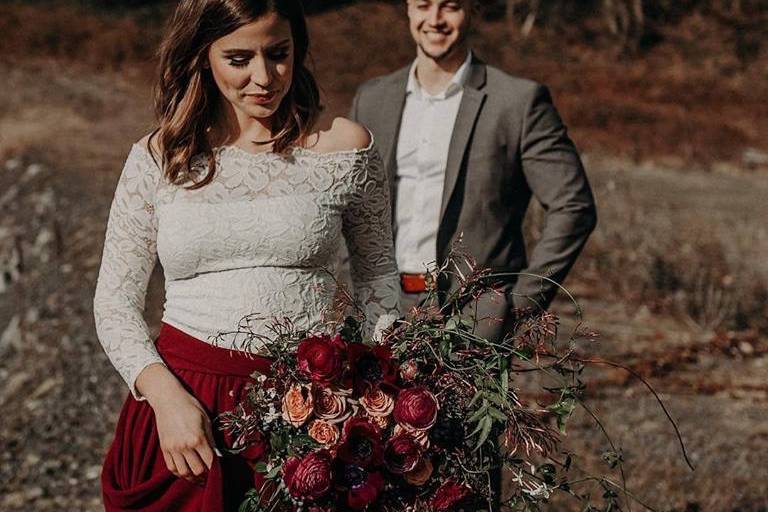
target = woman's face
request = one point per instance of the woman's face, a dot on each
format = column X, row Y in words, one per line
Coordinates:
column 253, row 66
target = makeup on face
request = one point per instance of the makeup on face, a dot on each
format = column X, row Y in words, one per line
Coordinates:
column 253, row 66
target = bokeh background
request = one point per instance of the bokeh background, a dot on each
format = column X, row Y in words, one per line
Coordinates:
column 667, row 101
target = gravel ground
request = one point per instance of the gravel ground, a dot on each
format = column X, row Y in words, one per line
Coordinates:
column 60, row 396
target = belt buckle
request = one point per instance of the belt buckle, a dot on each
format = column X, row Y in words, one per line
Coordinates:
column 417, row 283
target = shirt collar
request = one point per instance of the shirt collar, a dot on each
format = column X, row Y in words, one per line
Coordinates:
column 458, row 81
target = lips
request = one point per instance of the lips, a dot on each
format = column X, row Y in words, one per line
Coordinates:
column 436, row 36
column 261, row 99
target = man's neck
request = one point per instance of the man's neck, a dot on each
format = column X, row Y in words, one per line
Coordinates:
column 433, row 75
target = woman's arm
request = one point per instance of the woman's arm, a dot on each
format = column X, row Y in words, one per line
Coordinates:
column 367, row 227
column 129, row 256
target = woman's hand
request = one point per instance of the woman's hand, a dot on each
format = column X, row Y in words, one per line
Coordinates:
column 183, row 426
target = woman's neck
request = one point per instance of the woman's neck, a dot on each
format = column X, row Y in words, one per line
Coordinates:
column 236, row 127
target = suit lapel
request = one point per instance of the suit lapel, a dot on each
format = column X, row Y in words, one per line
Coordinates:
column 471, row 102
column 392, row 105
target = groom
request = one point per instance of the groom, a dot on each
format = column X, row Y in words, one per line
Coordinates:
column 465, row 146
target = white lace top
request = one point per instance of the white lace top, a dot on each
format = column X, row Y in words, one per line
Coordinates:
column 262, row 239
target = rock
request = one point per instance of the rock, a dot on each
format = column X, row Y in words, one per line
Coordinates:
column 93, row 472
column 14, row 500
column 12, row 164
column 35, row 492
column 9, row 195
column 32, row 315
column 753, row 157
column 43, row 245
column 33, row 170
column 45, row 387
column 746, row 348
column 45, row 202
column 12, row 335
column 10, row 260
column 12, row 385
column 32, row 459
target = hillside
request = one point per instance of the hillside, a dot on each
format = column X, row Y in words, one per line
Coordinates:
column 674, row 279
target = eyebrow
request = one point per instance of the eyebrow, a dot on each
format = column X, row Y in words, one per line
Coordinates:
column 232, row 51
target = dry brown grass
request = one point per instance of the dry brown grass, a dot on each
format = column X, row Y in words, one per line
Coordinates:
column 82, row 96
column 692, row 99
column 690, row 246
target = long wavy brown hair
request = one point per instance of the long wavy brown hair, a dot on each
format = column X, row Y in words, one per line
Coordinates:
column 186, row 96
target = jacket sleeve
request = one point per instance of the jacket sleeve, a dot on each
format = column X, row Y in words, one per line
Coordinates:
column 555, row 174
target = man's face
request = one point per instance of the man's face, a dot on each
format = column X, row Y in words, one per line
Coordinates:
column 439, row 27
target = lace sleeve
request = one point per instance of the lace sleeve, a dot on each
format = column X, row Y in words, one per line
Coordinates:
column 127, row 262
column 368, row 233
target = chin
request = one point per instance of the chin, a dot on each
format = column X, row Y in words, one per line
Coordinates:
column 436, row 52
column 259, row 111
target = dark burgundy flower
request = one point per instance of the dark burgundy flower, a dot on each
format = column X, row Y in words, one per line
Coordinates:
column 371, row 365
column 448, row 432
column 416, row 408
column 362, row 486
column 449, row 496
column 360, row 443
column 321, row 358
column 402, row 453
column 255, row 446
column 310, row 477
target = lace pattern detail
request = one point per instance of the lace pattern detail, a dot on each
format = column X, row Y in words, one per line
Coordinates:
column 262, row 238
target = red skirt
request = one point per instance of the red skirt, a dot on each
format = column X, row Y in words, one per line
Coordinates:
column 134, row 475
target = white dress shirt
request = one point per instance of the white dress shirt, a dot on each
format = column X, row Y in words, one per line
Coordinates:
column 422, row 155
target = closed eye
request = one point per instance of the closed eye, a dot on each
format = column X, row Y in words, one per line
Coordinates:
column 239, row 62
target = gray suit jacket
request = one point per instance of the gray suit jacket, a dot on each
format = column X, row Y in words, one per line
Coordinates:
column 507, row 144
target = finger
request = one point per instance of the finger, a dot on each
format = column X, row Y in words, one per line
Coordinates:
column 207, row 451
column 208, row 428
column 182, row 467
column 206, row 455
column 169, row 463
column 194, row 462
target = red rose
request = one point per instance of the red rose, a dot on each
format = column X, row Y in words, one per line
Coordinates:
column 449, row 495
column 363, row 494
column 321, row 358
column 360, row 443
column 402, row 453
column 416, row 408
column 310, row 477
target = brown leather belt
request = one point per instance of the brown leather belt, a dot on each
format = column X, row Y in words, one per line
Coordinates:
column 416, row 283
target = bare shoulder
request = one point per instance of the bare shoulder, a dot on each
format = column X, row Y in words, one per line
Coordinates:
column 150, row 143
column 342, row 135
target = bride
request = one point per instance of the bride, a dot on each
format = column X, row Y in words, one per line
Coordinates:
column 245, row 199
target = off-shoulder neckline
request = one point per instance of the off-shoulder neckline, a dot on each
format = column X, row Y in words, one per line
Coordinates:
column 299, row 150
column 295, row 151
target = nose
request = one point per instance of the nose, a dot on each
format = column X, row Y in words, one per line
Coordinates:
column 261, row 74
column 435, row 16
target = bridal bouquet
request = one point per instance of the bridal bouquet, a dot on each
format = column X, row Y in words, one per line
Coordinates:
column 418, row 421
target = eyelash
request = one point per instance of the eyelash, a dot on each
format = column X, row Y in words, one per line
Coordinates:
column 242, row 63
